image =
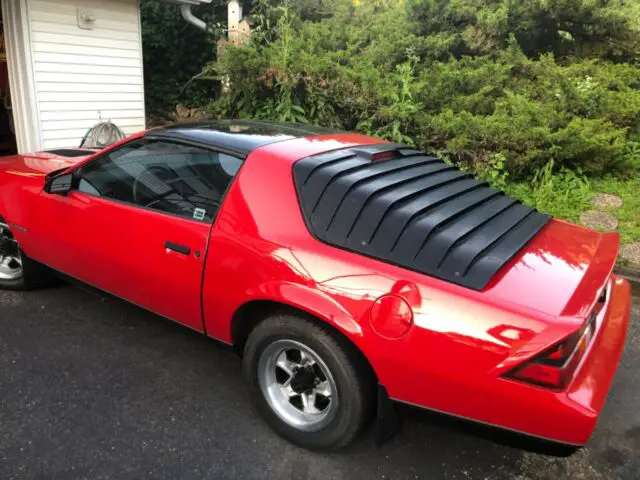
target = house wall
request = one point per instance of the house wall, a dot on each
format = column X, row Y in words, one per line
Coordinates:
column 84, row 75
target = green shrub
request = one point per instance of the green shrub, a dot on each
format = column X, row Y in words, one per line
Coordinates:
column 374, row 69
column 173, row 52
column 566, row 27
column 564, row 193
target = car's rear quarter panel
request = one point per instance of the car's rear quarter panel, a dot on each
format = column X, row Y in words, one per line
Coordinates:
column 261, row 249
column 250, row 255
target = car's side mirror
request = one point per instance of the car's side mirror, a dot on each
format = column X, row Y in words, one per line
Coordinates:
column 60, row 185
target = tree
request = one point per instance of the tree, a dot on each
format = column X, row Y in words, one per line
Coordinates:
column 585, row 28
column 174, row 51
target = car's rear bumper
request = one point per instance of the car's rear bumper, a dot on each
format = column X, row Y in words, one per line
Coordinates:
column 566, row 417
column 588, row 391
column 570, row 416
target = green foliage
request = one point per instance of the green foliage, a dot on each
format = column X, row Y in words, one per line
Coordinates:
column 174, row 52
column 628, row 217
column 564, row 193
column 603, row 28
column 494, row 172
column 401, row 107
column 381, row 68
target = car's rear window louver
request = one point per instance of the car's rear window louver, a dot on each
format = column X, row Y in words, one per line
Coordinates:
column 414, row 211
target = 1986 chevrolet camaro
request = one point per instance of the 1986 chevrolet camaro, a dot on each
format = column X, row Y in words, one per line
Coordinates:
column 345, row 270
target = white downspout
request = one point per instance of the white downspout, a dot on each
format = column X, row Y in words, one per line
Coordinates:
column 24, row 97
column 188, row 15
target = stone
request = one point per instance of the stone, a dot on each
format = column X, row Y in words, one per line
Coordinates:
column 599, row 220
column 606, row 200
column 631, row 253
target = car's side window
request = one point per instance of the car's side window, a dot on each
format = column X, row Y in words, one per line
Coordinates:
column 169, row 177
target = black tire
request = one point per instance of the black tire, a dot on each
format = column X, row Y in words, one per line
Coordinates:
column 18, row 284
column 353, row 377
column 33, row 273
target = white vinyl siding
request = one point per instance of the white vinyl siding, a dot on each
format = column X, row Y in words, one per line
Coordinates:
column 82, row 76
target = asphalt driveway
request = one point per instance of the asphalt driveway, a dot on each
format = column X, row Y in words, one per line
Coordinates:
column 95, row 388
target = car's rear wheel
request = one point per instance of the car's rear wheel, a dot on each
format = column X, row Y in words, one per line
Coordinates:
column 17, row 271
column 311, row 386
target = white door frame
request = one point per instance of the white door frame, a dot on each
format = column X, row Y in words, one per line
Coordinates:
column 17, row 35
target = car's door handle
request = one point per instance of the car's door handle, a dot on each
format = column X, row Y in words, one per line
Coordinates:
column 177, row 248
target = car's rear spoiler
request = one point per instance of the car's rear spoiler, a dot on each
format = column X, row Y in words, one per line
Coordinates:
column 597, row 273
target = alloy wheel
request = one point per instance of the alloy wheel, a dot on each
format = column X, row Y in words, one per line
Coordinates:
column 10, row 257
column 298, row 385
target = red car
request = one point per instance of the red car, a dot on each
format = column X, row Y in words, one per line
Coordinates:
column 345, row 270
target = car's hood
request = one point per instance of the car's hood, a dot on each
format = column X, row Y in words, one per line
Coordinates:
column 560, row 272
column 39, row 164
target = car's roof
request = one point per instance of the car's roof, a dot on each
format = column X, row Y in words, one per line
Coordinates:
column 242, row 136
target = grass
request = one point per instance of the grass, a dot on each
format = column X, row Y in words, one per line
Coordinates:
column 566, row 194
column 629, row 214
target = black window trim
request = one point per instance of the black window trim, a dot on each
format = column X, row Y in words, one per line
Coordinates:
column 241, row 156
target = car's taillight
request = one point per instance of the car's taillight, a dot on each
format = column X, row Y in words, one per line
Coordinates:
column 555, row 367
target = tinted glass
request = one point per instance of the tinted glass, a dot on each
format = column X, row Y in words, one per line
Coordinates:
column 241, row 135
column 168, row 177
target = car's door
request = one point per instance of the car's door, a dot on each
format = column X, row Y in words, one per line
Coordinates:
column 137, row 224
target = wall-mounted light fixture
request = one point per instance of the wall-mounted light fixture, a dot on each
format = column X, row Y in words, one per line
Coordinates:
column 86, row 19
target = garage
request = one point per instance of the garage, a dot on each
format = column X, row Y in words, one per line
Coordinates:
column 66, row 65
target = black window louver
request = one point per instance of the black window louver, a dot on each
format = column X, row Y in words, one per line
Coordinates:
column 414, row 211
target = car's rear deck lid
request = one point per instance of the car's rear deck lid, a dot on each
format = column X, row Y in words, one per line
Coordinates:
column 400, row 206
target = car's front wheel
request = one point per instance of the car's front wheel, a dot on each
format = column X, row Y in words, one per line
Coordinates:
column 309, row 384
column 17, row 271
